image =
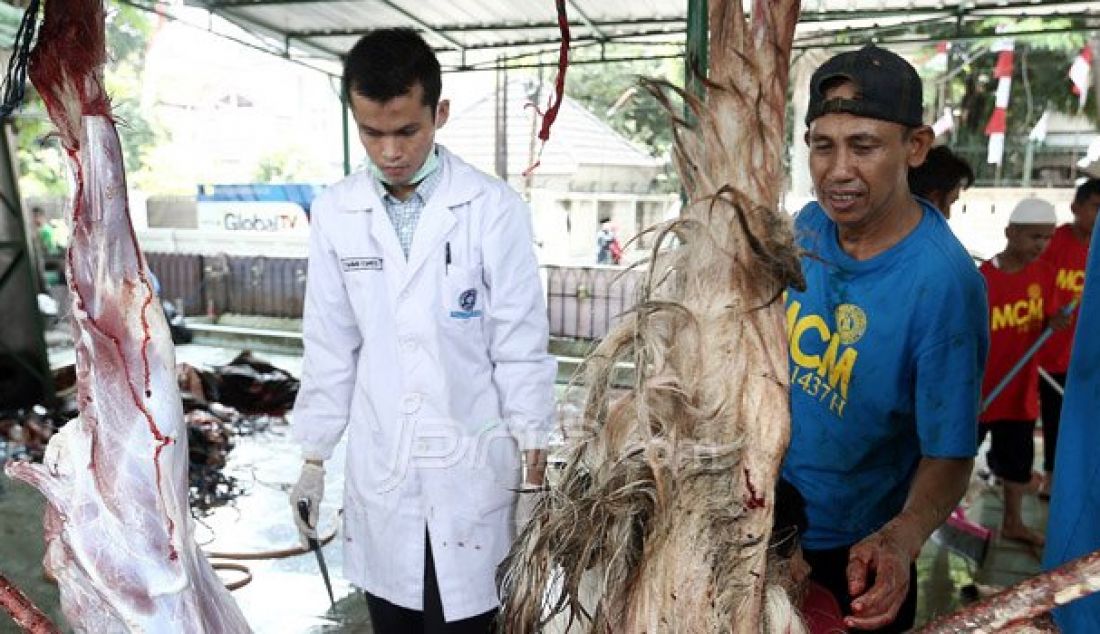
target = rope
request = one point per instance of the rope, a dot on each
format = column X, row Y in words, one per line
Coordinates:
column 239, row 583
column 15, row 79
column 554, row 104
column 280, row 553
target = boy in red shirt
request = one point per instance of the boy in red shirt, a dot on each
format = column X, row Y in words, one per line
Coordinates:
column 1066, row 255
column 1020, row 287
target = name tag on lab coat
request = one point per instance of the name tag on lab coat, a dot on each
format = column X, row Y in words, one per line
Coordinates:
column 361, row 264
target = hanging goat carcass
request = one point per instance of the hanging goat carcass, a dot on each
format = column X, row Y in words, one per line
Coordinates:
column 661, row 517
column 117, row 525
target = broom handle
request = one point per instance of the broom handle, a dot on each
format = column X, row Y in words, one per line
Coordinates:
column 1043, row 336
column 1052, row 382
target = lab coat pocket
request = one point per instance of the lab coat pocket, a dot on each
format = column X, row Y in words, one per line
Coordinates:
column 484, row 480
column 463, row 297
column 482, row 492
column 496, row 461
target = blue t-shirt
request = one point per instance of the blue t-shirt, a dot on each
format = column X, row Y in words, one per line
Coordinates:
column 886, row 367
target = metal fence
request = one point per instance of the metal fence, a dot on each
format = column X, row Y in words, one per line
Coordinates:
column 582, row 302
column 252, row 285
column 585, row 302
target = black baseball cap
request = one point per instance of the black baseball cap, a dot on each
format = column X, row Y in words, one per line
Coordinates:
column 888, row 87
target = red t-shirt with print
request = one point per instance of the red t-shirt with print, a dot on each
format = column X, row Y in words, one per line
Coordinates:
column 1066, row 254
column 1018, row 306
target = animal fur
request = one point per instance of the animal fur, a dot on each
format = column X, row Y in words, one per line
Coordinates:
column 664, row 508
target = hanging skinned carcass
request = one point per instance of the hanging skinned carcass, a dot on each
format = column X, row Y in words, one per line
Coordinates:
column 660, row 519
column 118, row 532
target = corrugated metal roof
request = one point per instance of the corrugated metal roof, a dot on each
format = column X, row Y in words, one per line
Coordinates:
column 466, row 33
column 477, row 33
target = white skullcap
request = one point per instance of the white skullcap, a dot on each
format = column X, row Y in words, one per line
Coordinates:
column 1032, row 211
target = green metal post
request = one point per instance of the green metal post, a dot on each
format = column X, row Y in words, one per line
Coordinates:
column 695, row 61
column 1029, row 161
column 698, row 35
column 344, row 120
column 25, row 377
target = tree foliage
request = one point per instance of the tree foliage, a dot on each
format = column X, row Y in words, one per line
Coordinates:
column 1040, row 82
column 128, row 34
column 611, row 92
column 41, row 162
column 1039, row 78
column 283, row 165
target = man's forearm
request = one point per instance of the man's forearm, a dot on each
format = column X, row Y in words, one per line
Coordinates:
column 937, row 488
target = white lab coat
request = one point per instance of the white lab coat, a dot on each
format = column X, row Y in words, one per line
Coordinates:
column 439, row 373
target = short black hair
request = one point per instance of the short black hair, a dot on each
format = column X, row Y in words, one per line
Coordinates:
column 942, row 171
column 1087, row 190
column 387, row 63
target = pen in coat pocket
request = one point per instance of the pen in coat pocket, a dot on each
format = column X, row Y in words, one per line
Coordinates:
column 447, row 258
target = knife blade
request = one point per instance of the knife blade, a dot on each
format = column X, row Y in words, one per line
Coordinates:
column 315, row 546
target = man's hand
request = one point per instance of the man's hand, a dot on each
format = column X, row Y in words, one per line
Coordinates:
column 311, row 487
column 534, row 467
column 534, row 479
column 884, row 558
column 878, row 566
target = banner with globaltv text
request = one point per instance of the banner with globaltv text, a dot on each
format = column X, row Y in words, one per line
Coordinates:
column 256, row 207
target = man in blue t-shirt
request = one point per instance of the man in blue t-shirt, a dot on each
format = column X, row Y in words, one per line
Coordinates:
column 887, row 344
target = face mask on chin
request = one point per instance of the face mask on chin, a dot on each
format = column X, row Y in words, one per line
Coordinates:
column 431, row 163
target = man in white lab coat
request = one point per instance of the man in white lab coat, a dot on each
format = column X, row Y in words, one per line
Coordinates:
column 425, row 339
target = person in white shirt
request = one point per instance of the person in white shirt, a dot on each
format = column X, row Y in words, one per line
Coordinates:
column 425, row 335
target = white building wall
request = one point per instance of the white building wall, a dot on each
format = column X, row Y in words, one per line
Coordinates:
column 566, row 223
column 981, row 214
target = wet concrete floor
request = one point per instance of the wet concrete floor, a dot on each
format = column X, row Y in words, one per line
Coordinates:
column 286, row 595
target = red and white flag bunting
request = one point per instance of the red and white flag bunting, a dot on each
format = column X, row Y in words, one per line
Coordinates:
column 944, row 124
column 1079, row 74
column 938, row 62
column 997, row 122
column 1005, row 44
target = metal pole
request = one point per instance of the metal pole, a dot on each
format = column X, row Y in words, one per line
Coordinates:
column 1094, row 43
column 695, row 59
column 698, row 36
column 502, row 122
column 25, row 377
column 344, row 104
column 1029, row 158
column 532, row 146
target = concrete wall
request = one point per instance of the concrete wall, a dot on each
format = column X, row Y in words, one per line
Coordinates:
column 223, row 242
column 566, row 223
column 613, row 178
column 981, row 214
